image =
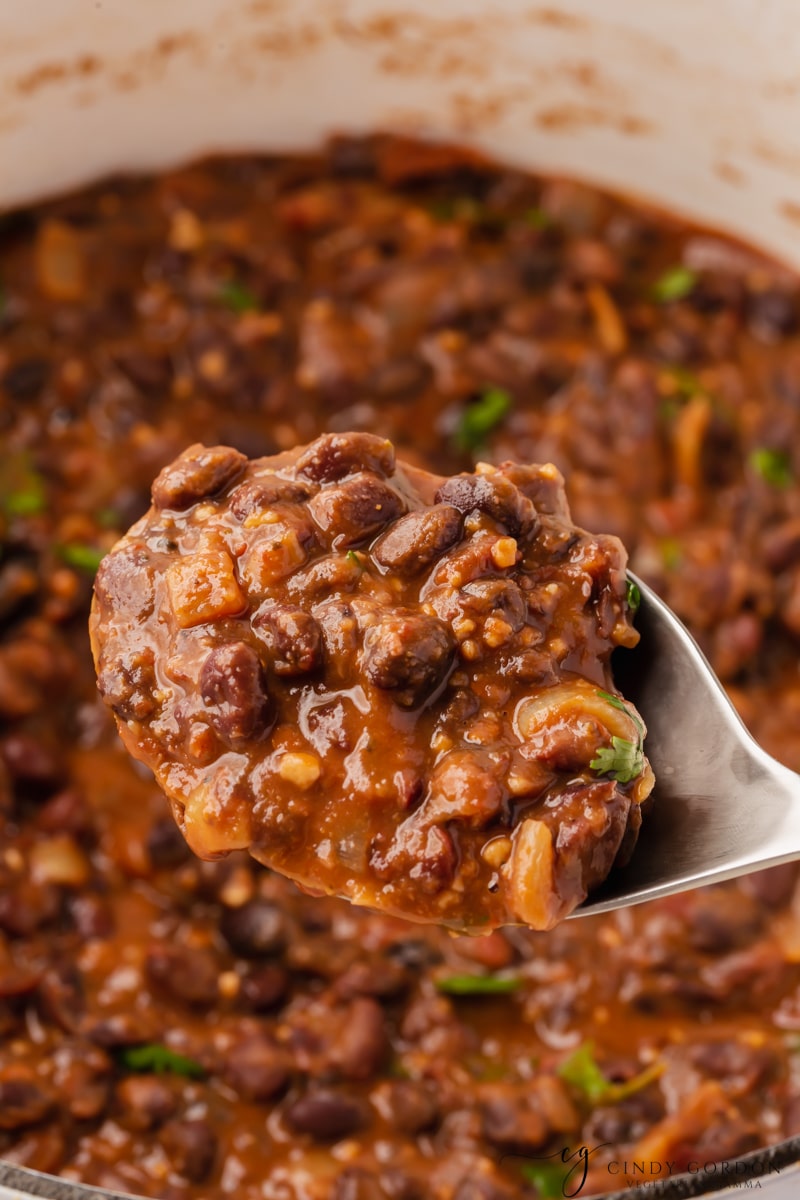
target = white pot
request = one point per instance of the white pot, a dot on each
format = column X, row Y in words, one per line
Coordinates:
column 693, row 103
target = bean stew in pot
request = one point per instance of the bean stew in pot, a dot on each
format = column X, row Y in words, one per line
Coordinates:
column 191, row 1029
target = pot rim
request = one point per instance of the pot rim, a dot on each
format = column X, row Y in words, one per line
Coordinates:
column 710, row 1179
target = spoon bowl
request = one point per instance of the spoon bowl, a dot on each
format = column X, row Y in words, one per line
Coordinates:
column 722, row 806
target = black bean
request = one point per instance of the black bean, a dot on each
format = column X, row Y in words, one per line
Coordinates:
column 415, row 953
column 326, row 1115
column 355, row 1183
column 199, row 472
column 191, row 1147
column 146, row 1102
column 510, row 1124
column 264, row 987
column 409, row 654
column 772, row 313
column 23, row 1100
column 151, row 373
column 417, row 540
column 494, row 597
column 234, row 691
column 186, row 973
column 61, row 995
column 723, row 919
column 363, row 1043
column 165, row 845
column 292, row 638
column 25, row 380
column 124, row 586
column 256, row 1068
column 26, row 906
column 255, row 929
column 407, row 1105
column 773, row 887
column 356, row 509
column 91, row 915
column 335, row 455
column 127, row 682
column 82, row 1077
column 492, row 494
column 263, row 492
column 122, row 1029
column 32, row 759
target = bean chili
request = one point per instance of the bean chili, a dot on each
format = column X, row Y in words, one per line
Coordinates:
column 422, row 724
column 186, row 1029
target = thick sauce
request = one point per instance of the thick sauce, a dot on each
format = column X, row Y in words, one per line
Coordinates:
column 186, row 1029
column 385, row 684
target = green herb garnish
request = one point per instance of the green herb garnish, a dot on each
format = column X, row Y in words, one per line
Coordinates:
column 161, row 1060
column 356, row 559
column 25, row 503
column 466, row 209
column 671, row 553
column 478, row 985
column 537, row 218
column 774, row 466
column 581, row 1070
column 548, row 1178
column 78, row 554
column 237, row 297
column 622, row 760
column 22, row 490
column 480, row 418
column 674, row 284
column 108, row 518
column 633, row 595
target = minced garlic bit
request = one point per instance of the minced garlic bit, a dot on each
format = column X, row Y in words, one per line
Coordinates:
column 497, row 851
column 504, row 552
column 303, row 770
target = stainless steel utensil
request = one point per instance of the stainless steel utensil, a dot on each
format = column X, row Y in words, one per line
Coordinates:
column 722, row 806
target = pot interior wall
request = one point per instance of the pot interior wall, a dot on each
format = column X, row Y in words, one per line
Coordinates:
column 692, row 103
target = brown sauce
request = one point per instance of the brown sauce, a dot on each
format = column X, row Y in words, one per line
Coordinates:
column 185, row 1029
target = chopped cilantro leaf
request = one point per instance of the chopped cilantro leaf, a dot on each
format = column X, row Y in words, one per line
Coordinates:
column 581, row 1070
column 622, row 760
column 685, row 382
column 615, row 702
column 480, row 418
column 160, row 1059
column 22, row 490
column 108, row 518
column 547, row 1178
column 25, row 503
column 237, row 297
column 78, row 554
column 671, row 553
column 632, row 595
column 537, row 218
column 774, row 466
column 466, row 209
column 478, row 985
column 674, row 284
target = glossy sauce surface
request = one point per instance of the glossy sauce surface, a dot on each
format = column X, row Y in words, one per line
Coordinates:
column 384, row 684
column 306, row 1048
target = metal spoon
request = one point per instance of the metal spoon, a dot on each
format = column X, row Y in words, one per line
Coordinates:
column 722, row 806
